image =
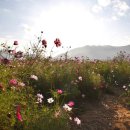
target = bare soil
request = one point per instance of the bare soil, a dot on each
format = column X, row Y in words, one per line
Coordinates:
column 106, row 114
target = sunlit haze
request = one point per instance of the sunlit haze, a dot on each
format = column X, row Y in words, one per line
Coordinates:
column 76, row 22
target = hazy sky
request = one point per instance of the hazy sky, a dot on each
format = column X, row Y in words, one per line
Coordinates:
column 75, row 22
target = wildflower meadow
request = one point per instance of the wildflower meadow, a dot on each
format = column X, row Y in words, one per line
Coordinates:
column 38, row 92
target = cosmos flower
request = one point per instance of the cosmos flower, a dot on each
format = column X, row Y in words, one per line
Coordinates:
column 5, row 61
column 80, row 78
column 39, row 100
column 50, row 100
column 44, row 43
column 57, row 42
column 71, row 104
column 18, row 115
column 18, row 54
column 124, row 86
column 77, row 120
column 59, row 91
column 15, row 42
column 40, row 95
column 67, row 108
column 13, row 82
column 21, row 84
column 34, row 77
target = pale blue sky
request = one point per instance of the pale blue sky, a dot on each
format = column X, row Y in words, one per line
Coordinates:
column 75, row 22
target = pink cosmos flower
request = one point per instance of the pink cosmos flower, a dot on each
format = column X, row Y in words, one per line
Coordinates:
column 39, row 98
column 59, row 91
column 71, row 104
column 19, row 117
column 13, row 82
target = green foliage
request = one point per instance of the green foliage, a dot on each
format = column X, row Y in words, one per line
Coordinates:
column 45, row 76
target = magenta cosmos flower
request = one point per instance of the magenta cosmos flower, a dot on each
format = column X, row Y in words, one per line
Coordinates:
column 71, row 104
column 57, row 42
column 44, row 43
column 13, row 82
column 5, row 61
column 15, row 42
column 18, row 115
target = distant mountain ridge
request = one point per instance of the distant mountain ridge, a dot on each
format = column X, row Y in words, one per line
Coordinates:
column 97, row 52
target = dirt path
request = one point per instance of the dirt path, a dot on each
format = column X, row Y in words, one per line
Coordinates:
column 107, row 114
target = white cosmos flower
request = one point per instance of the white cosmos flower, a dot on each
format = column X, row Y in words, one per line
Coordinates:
column 67, row 108
column 77, row 120
column 124, row 86
column 34, row 77
column 39, row 100
column 21, row 84
column 39, row 95
column 80, row 78
column 50, row 100
column 70, row 118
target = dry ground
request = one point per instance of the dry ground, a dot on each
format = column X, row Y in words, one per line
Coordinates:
column 107, row 114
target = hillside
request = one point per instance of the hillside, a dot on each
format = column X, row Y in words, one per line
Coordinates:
column 97, row 52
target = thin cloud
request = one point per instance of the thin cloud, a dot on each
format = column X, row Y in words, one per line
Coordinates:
column 28, row 31
column 96, row 8
column 120, row 7
column 114, row 18
column 104, row 3
column 26, row 27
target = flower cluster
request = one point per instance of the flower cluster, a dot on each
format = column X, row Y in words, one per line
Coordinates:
column 39, row 98
column 68, row 107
